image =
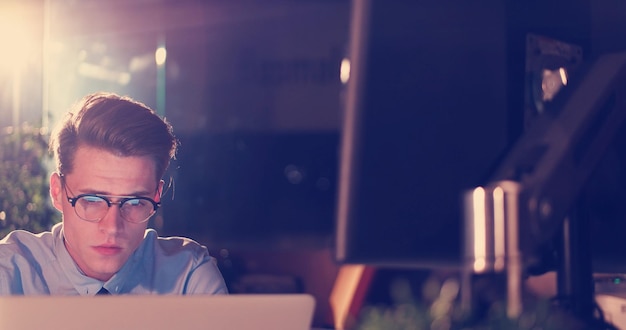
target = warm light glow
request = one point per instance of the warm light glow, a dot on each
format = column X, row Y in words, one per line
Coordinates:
column 18, row 37
column 499, row 229
column 552, row 82
column 160, row 56
column 141, row 62
column 563, row 74
column 480, row 226
column 344, row 71
column 345, row 291
column 101, row 73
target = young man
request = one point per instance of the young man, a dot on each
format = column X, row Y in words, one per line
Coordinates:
column 111, row 153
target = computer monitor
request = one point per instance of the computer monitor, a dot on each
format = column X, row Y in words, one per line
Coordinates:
column 434, row 108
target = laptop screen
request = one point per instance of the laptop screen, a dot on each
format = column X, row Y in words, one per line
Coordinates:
column 216, row 312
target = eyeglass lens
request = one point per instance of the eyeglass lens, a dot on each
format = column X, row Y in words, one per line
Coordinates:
column 94, row 208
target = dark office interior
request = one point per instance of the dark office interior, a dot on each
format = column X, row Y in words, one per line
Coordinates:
column 258, row 99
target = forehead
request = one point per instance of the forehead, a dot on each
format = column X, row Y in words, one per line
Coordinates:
column 105, row 171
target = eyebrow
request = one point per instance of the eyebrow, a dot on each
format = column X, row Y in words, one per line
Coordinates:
column 134, row 194
column 140, row 193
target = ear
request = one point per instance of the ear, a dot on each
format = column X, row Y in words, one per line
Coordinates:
column 56, row 191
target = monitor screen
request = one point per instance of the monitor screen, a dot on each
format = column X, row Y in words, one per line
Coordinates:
column 426, row 117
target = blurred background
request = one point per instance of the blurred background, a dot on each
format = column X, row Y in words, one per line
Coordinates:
column 256, row 95
column 252, row 89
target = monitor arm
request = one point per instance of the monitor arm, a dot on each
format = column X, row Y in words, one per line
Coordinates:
column 541, row 179
column 554, row 159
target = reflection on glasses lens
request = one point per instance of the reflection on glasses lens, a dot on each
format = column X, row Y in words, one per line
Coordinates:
column 93, row 208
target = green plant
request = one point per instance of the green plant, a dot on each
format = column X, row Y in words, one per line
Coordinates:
column 24, row 187
column 439, row 308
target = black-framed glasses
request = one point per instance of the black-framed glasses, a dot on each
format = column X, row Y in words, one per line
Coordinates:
column 94, row 207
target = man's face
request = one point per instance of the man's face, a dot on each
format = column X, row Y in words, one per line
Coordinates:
column 101, row 248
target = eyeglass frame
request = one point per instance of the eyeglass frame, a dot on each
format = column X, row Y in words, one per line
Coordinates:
column 122, row 199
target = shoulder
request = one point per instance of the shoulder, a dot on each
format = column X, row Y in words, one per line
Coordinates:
column 23, row 256
column 190, row 260
column 175, row 245
column 19, row 242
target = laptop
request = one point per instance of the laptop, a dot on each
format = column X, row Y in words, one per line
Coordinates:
column 218, row 312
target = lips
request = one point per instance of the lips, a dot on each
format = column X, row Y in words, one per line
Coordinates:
column 107, row 250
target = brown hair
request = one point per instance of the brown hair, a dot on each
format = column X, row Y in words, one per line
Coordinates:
column 117, row 124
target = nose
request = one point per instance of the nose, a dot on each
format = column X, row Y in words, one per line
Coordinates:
column 112, row 222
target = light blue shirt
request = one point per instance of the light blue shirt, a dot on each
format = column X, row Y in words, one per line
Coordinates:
column 39, row 264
